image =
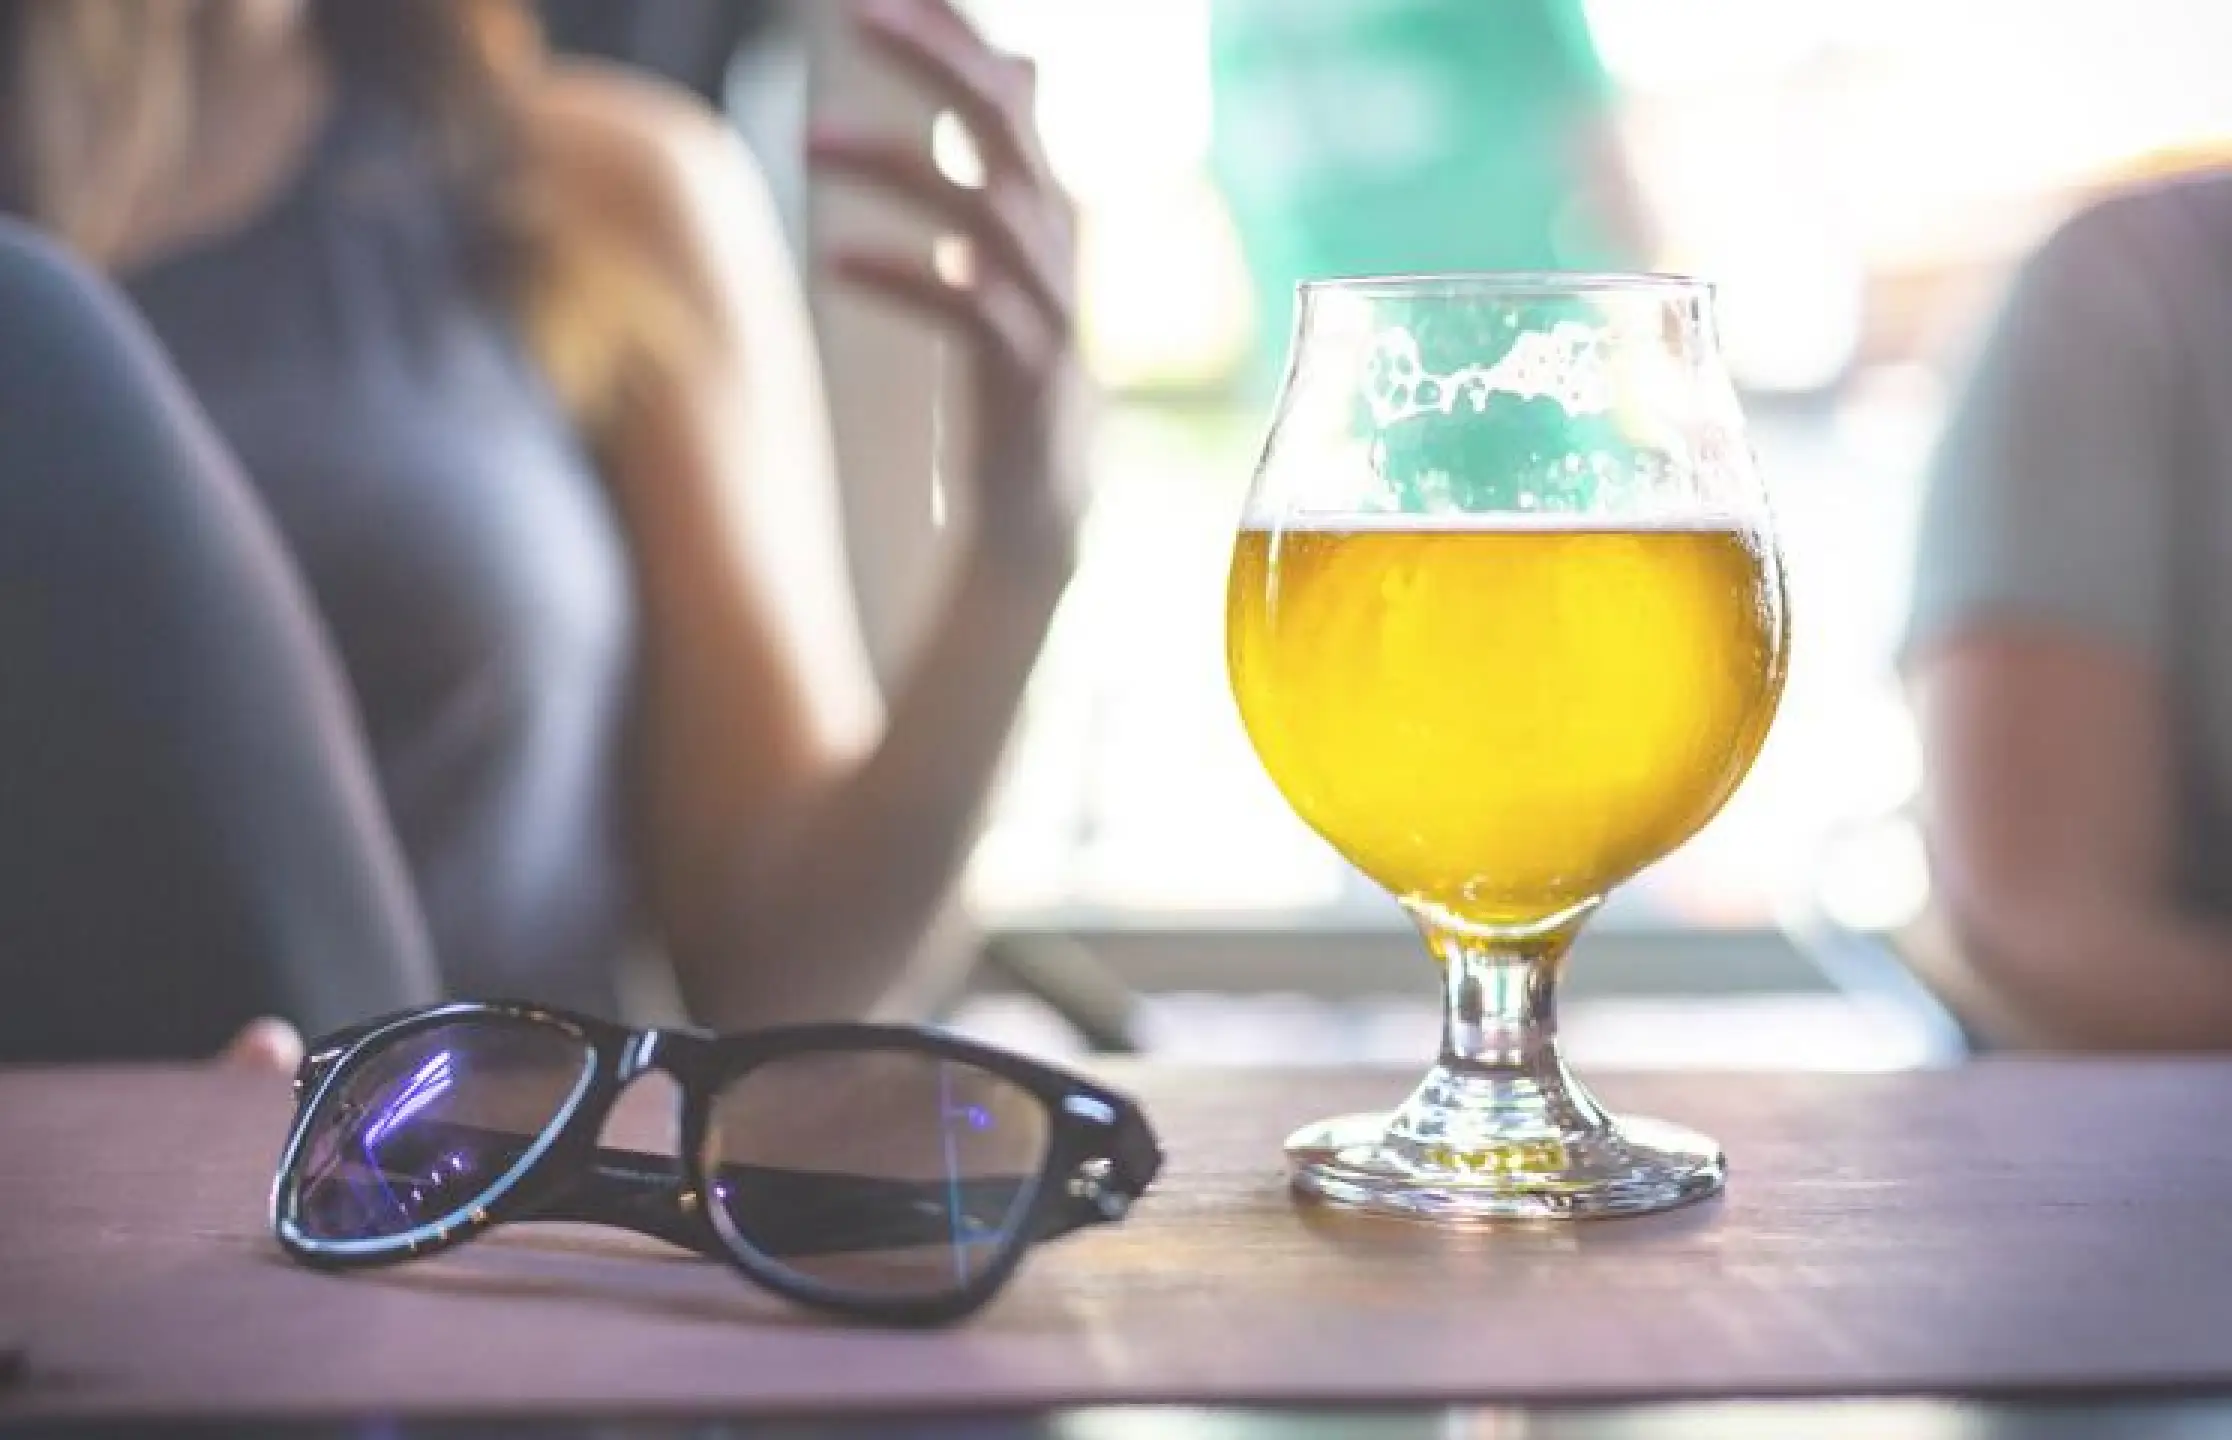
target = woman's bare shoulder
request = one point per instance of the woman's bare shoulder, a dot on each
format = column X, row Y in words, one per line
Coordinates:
column 649, row 158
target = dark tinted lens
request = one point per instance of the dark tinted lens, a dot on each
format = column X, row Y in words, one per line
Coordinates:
column 438, row 1122
column 879, row 1173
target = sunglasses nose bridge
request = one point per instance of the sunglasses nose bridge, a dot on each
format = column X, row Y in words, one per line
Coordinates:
column 643, row 1109
column 668, row 1051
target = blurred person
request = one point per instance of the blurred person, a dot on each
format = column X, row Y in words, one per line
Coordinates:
column 2070, row 646
column 419, row 570
column 1417, row 136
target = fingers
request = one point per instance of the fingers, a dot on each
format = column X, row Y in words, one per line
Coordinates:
column 1017, row 306
column 1007, row 327
column 991, row 92
column 942, row 12
column 995, row 217
column 266, row 1045
column 946, row 14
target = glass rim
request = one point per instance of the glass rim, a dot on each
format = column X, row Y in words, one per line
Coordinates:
column 1523, row 283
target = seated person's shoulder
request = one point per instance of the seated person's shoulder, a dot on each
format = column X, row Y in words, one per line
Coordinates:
column 648, row 158
column 2056, row 490
column 2191, row 182
column 2139, row 234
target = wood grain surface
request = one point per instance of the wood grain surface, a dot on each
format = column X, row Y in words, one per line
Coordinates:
column 2012, row 1226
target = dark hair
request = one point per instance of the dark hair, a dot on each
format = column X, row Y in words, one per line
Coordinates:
column 94, row 92
column 444, row 61
column 446, row 64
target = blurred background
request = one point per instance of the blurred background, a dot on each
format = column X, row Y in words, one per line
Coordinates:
column 1856, row 176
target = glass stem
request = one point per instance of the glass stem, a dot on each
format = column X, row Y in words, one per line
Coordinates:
column 1499, row 1002
column 1501, row 1080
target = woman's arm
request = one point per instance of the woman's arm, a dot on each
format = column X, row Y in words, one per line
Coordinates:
column 800, row 839
column 2051, row 816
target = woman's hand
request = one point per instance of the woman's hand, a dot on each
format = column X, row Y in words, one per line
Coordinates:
column 1013, row 298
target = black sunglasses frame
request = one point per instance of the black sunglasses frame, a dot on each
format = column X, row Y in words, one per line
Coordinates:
column 1100, row 1153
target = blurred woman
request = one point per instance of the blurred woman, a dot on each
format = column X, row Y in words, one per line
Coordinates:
column 450, row 598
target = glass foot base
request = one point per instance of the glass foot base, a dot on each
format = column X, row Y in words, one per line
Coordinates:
column 1624, row 1167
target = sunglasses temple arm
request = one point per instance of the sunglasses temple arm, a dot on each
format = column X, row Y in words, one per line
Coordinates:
column 1132, row 1162
column 782, row 1212
column 787, row 1214
column 634, row 1191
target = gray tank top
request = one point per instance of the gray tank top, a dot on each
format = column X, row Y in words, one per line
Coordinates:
column 462, row 551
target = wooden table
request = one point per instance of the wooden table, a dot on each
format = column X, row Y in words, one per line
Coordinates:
column 2014, row 1227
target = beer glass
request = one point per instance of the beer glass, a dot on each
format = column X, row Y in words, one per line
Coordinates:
column 1506, row 624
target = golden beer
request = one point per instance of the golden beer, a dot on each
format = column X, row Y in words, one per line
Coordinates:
column 1501, row 717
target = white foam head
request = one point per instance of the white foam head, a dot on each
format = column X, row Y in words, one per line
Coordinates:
column 1513, row 522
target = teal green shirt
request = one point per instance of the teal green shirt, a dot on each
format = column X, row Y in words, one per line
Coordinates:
column 1401, row 136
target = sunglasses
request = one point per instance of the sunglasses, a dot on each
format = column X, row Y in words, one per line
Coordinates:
column 878, row 1172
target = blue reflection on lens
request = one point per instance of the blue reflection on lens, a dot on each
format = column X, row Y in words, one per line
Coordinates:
column 423, row 1089
column 426, row 1087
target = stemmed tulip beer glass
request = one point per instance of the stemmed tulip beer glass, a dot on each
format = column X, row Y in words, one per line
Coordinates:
column 1506, row 624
